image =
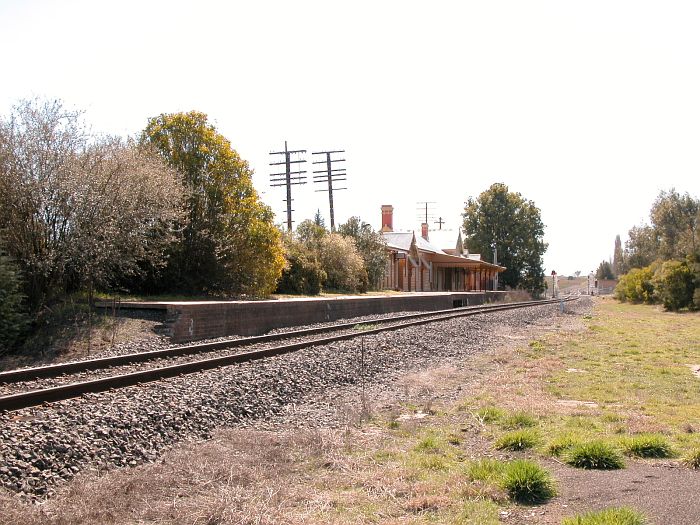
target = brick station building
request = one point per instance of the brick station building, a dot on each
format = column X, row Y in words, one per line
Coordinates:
column 422, row 264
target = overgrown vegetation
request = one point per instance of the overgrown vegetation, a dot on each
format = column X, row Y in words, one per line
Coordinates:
column 662, row 260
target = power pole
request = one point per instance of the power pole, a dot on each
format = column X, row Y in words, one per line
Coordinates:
column 288, row 178
column 330, row 175
column 439, row 222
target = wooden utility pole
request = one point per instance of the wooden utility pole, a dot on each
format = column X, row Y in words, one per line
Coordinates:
column 288, row 178
column 330, row 175
column 423, row 208
column 439, row 222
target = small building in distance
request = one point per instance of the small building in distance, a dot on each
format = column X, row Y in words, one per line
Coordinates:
column 433, row 262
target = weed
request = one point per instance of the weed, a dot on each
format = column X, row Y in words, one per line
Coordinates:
column 612, row 516
column 536, row 345
column 518, row 420
column 518, row 440
column 430, row 443
column 365, row 327
column 692, row 460
column 490, row 414
column 647, row 446
column 527, row 482
column 594, row 455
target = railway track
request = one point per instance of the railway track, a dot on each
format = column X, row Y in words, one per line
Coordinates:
column 24, row 381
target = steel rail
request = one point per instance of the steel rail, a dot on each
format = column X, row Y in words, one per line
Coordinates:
column 58, row 393
column 55, row 370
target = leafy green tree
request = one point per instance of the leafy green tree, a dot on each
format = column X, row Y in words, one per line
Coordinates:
column 512, row 224
column 371, row 246
column 604, row 271
column 675, row 218
column 229, row 244
column 642, row 247
column 13, row 314
column 674, row 285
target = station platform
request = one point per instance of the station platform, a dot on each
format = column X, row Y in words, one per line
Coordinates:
column 187, row 321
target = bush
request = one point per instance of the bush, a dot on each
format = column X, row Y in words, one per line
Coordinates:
column 613, row 516
column 303, row 273
column 647, row 446
column 636, row 286
column 594, row 455
column 527, row 482
column 13, row 315
column 518, row 440
column 674, row 285
column 343, row 265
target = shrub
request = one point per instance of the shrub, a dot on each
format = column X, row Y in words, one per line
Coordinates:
column 517, row 440
column 647, row 446
column 13, row 316
column 342, row 263
column 636, row 286
column 303, row 273
column 674, row 285
column 594, row 455
column 527, row 482
column 612, row 516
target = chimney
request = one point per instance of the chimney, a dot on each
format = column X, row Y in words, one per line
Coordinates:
column 424, row 230
column 387, row 218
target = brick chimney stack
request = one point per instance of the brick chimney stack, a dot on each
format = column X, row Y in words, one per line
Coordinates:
column 387, row 218
column 424, row 230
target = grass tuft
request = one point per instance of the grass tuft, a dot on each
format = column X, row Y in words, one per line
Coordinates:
column 527, row 482
column 519, row 420
column 692, row 460
column 647, row 446
column 490, row 414
column 594, row 455
column 518, row 440
column 612, row 516
column 560, row 444
column 486, row 470
column 478, row 512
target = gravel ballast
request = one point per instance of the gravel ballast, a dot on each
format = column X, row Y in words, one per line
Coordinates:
column 41, row 448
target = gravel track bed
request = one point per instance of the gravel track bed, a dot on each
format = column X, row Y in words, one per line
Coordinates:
column 42, row 447
column 35, row 384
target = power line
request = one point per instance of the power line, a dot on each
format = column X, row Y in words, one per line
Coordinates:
column 288, row 178
column 330, row 176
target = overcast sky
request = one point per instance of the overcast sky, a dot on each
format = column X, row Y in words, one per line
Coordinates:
column 587, row 108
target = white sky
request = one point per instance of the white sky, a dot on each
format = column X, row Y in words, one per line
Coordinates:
column 587, row 108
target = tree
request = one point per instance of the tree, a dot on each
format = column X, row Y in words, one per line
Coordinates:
column 618, row 263
column 642, row 247
column 303, row 273
column 512, row 224
column 342, row 263
column 229, row 244
column 674, row 285
column 577, row 273
column 675, row 219
column 13, row 315
column 371, row 246
column 604, row 271
column 78, row 210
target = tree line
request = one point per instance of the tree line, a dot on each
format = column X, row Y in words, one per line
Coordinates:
column 173, row 210
column 661, row 260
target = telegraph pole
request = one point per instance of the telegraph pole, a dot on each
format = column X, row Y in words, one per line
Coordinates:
column 423, row 208
column 288, row 178
column 439, row 222
column 330, row 175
